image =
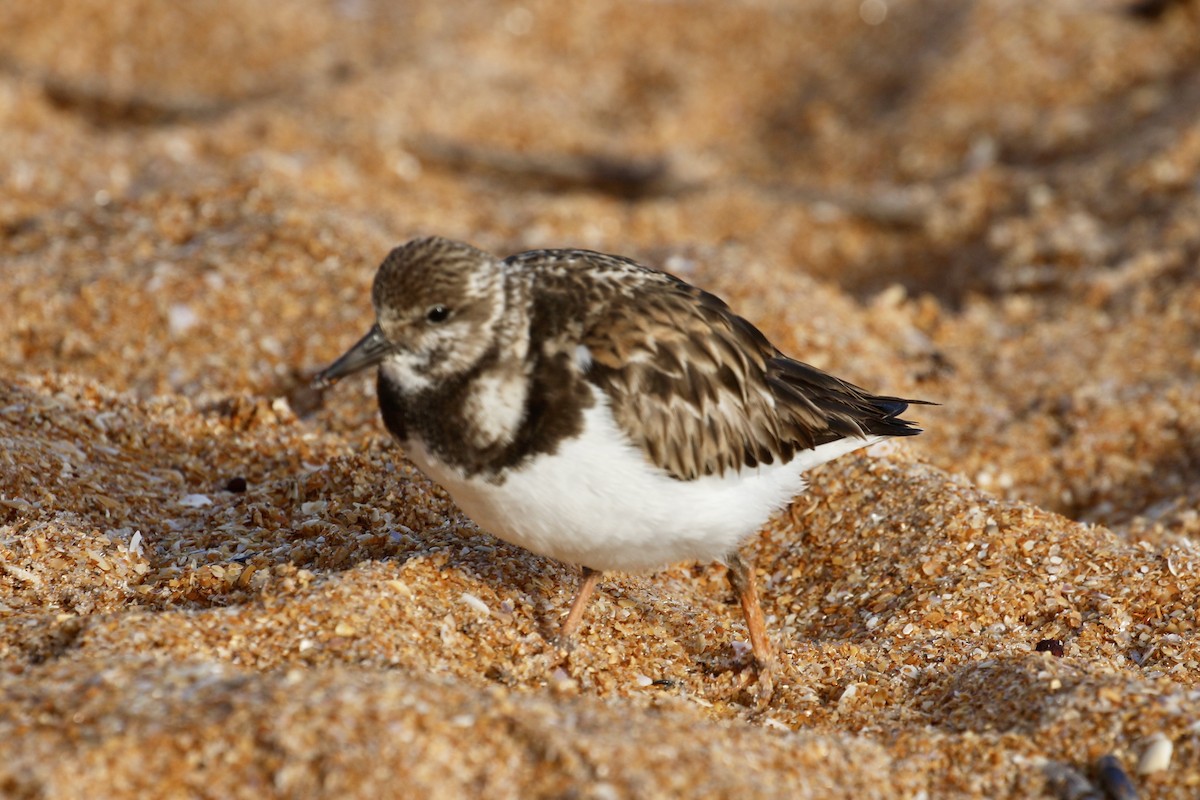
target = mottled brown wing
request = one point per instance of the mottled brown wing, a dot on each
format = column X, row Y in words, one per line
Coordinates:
column 700, row 389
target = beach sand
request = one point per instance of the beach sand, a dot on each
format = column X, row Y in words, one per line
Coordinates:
column 216, row 581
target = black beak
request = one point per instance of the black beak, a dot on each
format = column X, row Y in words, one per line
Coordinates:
column 367, row 352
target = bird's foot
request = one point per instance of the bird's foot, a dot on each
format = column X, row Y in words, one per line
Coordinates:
column 766, row 685
column 563, row 644
column 756, row 684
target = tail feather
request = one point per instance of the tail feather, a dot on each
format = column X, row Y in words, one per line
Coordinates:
column 847, row 410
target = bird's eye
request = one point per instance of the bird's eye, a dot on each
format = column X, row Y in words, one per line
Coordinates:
column 437, row 314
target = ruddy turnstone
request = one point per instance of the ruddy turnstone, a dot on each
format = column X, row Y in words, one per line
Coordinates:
column 599, row 412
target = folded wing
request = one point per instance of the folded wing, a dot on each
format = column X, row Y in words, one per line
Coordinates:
column 701, row 391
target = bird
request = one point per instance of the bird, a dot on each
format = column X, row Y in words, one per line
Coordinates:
column 600, row 412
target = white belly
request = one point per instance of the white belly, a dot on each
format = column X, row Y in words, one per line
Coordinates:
column 598, row 502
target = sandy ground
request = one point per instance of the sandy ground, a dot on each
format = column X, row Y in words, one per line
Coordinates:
column 218, row 582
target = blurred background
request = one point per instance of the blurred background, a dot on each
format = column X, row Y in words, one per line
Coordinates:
column 994, row 205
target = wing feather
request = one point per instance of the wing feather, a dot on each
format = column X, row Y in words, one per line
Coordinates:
column 699, row 389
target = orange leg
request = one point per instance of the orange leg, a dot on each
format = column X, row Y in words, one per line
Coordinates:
column 586, row 586
column 742, row 579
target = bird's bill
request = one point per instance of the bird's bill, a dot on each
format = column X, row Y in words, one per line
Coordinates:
column 367, row 352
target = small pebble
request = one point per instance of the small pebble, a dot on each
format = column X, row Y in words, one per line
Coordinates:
column 475, row 603
column 1052, row 646
column 1157, row 755
column 562, row 683
column 181, row 319
column 236, row 485
column 1114, row 779
column 1068, row 784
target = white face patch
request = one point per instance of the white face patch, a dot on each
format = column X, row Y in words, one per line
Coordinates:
column 496, row 407
column 401, row 369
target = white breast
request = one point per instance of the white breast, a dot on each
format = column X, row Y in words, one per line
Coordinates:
column 598, row 502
